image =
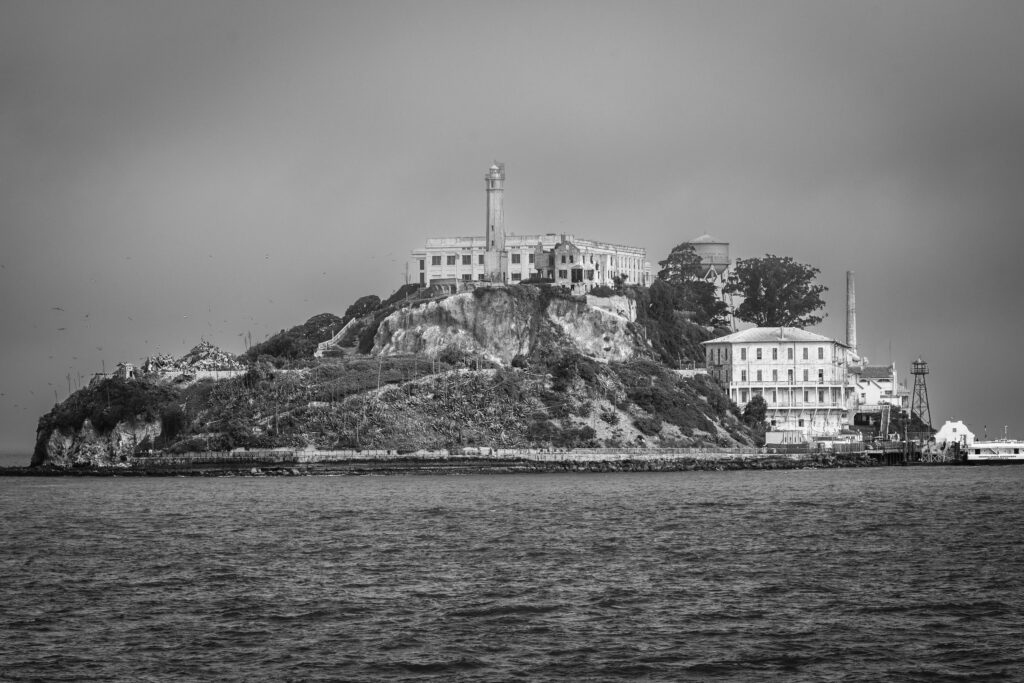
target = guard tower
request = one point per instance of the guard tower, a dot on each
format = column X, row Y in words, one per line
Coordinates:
column 919, row 400
column 495, row 232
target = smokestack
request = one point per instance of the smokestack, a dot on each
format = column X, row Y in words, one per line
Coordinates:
column 851, row 313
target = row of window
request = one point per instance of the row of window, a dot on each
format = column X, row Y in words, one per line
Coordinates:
column 789, row 376
column 771, row 397
column 467, row 259
column 758, row 353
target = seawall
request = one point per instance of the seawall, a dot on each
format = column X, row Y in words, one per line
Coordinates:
column 469, row 461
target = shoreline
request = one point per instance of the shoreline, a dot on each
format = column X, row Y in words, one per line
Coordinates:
column 412, row 464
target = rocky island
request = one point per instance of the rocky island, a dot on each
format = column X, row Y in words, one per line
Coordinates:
column 497, row 369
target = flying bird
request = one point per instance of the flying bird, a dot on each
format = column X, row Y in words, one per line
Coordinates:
column 61, row 329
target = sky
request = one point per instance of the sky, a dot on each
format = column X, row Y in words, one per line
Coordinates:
column 173, row 171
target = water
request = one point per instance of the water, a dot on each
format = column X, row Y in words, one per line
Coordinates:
column 844, row 575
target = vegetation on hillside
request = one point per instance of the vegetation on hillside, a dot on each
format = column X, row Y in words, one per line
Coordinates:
column 299, row 341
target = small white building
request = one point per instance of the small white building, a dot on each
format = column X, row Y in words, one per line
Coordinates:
column 954, row 431
column 878, row 385
column 803, row 377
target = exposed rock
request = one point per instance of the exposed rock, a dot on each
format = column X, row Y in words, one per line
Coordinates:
column 502, row 323
column 87, row 447
column 206, row 356
column 594, row 331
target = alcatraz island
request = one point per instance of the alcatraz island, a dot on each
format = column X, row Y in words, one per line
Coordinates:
column 512, row 353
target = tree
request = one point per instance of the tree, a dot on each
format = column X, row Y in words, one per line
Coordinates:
column 777, row 292
column 681, row 266
column 756, row 410
column 682, row 270
column 364, row 305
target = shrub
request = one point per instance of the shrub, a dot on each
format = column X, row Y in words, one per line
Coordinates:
column 648, row 426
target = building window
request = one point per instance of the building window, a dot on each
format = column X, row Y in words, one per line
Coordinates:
column 758, row 375
column 516, row 277
column 532, row 257
column 435, row 260
column 563, row 274
column 775, row 354
column 743, row 395
column 467, row 276
column 821, row 376
column 775, row 375
column 590, row 275
column 480, row 259
column 423, row 263
column 807, row 396
column 571, row 257
column 789, row 376
column 563, row 258
column 743, row 375
column 821, row 395
column 789, row 353
column 805, row 353
column 451, row 259
column 467, row 260
column 806, row 376
column 775, row 397
column 758, row 353
column 800, row 423
column 743, row 354
column 481, row 277
column 515, row 258
column 821, row 353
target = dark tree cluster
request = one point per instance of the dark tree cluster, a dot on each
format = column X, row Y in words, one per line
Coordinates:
column 777, row 292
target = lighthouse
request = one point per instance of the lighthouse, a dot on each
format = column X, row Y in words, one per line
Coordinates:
column 495, row 232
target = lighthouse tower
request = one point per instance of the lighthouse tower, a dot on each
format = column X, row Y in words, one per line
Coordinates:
column 495, row 232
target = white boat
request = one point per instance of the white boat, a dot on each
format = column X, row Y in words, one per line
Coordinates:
column 998, row 451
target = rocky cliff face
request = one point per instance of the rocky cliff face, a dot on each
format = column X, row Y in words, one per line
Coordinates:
column 87, row 447
column 502, row 323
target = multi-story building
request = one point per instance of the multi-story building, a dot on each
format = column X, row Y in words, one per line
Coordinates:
column 803, row 377
column 498, row 257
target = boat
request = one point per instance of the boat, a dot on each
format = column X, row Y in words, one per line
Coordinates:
column 998, row 451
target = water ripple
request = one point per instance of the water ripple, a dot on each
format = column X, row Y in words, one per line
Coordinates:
column 889, row 575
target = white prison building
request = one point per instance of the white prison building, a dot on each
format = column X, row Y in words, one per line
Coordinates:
column 497, row 257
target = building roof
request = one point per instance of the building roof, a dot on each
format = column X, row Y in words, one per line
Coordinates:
column 873, row 371
column 770, row 335
column 707, row 239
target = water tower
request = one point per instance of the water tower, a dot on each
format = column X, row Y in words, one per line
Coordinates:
column 714, row 256
column 919, row 401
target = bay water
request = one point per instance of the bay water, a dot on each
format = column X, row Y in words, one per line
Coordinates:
column 899, row 574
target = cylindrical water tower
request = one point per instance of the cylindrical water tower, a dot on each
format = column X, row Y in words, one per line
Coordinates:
column 714, row 255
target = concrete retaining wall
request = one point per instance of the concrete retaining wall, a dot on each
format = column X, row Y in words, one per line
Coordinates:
column 258, row 458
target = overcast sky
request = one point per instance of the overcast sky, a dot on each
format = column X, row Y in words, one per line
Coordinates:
column 179, row 170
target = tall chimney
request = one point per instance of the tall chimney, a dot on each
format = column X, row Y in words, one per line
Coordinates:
column 851, row 313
